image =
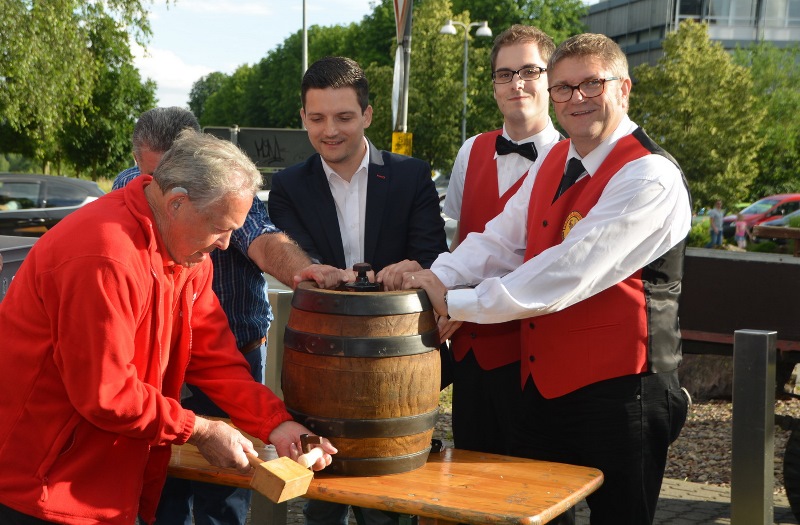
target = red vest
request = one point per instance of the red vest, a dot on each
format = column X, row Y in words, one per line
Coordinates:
column 599, row 338
column 494, row 345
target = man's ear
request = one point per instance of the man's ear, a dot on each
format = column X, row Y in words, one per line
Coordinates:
column 175, row 198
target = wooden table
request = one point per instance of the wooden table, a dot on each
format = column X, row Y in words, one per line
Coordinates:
column 455, row 486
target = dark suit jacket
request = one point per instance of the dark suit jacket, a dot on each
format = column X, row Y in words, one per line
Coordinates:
column 403, row 220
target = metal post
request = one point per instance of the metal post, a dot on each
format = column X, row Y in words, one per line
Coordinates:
column 406, row 72
column 753, row 445
column 464, row 109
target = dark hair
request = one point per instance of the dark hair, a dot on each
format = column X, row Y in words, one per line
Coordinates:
column 158, row 128
column 336, row 73
column 521, row 34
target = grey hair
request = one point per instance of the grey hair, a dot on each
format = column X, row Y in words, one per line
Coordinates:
column 157, row 128
column 593, row 45
column 207, row 169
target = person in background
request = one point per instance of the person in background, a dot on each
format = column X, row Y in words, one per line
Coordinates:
column 488, row 170
column 588, row 256
column 742, row 231
column 715, row 216
column 258, row 246
column 106, row 318
column 351, row 203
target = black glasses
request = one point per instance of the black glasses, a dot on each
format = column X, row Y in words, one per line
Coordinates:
column 588, row 89
column 504, row 76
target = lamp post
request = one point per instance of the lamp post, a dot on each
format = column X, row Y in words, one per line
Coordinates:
column 484, row 31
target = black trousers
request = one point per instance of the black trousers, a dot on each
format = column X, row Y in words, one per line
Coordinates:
column 621, row 426
column 485, row 406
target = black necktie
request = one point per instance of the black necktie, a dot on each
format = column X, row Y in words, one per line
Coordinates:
column 505, row 146
column 574, row 170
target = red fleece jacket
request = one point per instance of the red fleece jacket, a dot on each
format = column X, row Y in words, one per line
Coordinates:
column 99, row 330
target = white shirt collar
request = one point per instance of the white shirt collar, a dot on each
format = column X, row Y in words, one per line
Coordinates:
column 329, row 172
column 595, row 158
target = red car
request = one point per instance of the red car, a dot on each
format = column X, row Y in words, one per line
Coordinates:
column 765, row 209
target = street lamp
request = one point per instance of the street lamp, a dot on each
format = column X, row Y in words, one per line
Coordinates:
column 450, row 29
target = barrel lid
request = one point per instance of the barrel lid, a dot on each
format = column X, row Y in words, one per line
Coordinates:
column 310, row 298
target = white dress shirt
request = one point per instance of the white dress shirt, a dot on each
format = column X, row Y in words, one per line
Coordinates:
column 351, row 207
column 643, row 212
column 510, row 168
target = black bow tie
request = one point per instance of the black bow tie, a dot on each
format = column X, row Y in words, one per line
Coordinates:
column 505, row 146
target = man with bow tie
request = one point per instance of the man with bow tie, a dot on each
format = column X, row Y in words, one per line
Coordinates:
column 588, row 258
column 488, row 170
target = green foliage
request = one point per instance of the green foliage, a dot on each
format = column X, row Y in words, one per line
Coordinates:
column 51, row 77
column 685, row 103
column 794, row 222
column 436, row 84
column 699, row 235
column 99, row 142
column 228, row 105
column 776, row 75
column 202, row 89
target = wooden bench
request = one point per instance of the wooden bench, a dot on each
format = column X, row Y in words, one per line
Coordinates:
column 454, row 486
column 779, row 232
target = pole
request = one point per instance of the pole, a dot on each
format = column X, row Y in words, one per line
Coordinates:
column 406, row 72
column 304, row 52
column 305, row 41
column 753, row 428
column 464, row 109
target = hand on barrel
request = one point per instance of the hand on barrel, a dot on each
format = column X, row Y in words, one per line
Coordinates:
column 428, row 281
column 325, row 276
column 221, row 444
column 286, row 438
column 392, row 276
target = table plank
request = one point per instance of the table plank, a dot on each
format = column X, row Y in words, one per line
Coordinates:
column 454, row 486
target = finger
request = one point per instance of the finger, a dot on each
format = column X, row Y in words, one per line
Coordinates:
column 450, row 331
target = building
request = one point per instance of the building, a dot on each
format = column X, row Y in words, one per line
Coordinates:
column 639, row 26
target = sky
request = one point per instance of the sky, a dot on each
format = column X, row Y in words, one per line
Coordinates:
column 192, row 38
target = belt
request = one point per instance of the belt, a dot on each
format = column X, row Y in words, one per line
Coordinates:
column 252, row 345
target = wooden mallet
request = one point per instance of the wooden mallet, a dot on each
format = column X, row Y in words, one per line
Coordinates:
column 283, row 478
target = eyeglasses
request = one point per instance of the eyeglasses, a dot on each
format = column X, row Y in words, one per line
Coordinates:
column 588, row 89
column 504, row 76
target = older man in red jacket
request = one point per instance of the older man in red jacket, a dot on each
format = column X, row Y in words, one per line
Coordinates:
column 109, row 314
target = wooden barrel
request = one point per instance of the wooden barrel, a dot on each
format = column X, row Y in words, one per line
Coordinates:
column 362, row 369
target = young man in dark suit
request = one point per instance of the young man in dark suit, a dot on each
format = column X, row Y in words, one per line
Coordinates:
column 352, row 202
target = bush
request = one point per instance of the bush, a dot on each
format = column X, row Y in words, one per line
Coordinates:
column 699, row 235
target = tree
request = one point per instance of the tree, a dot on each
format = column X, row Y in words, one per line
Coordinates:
column 228, row 105
column 684, row 103
column 202, row 89
column 558, row 18
column 47, row 68
column 776, row 75
column 99, row 141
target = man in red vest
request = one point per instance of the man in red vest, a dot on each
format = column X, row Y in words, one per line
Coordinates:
column 588, row 255
column 489, row 169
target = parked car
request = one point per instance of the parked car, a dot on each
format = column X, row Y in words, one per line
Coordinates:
column 12, row 251
column 772, row 207
column 32, row 204
column 781, row 221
